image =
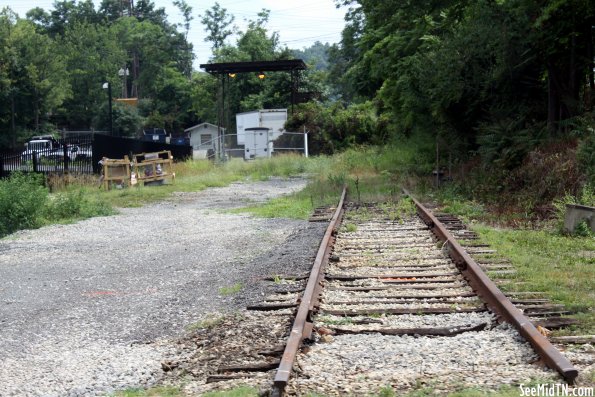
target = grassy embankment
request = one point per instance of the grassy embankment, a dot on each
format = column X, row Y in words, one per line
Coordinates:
column 547, row 260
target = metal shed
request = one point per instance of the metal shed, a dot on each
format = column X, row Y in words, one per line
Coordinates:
column 203, row 137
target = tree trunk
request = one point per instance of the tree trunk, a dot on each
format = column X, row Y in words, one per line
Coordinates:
column 13, row 128
column 36, row 110
column 553, row 100
column 591, row 73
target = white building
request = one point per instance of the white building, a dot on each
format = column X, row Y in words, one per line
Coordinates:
column 273, row 119
column 203, row 137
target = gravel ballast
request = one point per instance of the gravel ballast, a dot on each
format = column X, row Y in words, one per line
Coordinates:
column 93, row 307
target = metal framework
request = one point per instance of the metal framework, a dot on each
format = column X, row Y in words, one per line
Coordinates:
column 224, row 70
column 288, row 65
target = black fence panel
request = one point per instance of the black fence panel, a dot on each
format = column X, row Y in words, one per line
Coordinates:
column 66, row 155
column 81, row 153
column 117, row 147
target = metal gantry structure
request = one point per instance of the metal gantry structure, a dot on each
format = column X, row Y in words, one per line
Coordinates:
column 223, row 71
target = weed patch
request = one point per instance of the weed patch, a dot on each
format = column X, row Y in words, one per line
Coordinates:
column 210, row 321
column 22, row 202
column 242, row 391
column 231, row 290
column 163, row 391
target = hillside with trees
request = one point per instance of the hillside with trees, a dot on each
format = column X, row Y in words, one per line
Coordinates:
column 54, row 63
column 503, row 88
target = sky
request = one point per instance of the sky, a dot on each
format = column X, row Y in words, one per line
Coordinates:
column 299, row 23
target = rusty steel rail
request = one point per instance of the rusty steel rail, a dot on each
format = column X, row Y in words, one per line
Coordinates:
column 302, row 325
column 495, row 299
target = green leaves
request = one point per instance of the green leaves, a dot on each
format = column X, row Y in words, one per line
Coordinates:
column 217, row 24
column 22, row 201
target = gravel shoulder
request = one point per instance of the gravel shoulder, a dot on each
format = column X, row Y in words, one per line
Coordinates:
column 96, row 306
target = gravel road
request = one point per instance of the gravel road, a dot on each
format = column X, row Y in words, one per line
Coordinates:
column 93, row 307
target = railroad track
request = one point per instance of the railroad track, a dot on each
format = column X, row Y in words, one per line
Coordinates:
column 392, row 300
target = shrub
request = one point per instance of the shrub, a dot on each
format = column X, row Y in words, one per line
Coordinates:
column 586, row 156
column 585, row 197
column 22, row 201
column 75, row 205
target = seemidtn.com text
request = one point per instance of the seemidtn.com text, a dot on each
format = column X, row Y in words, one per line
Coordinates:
column 555, row 390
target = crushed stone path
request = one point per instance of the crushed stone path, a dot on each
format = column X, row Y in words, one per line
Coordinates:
column 93, row 307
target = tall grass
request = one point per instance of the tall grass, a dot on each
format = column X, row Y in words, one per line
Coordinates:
column 372, row 173
column 25, row 203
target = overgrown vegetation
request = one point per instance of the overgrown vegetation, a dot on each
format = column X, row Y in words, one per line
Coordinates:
column 22, row 202
column 210, row 321
column 371, row 173
column 161, row 391
column 25, row 204
column 560, row 266
column 230, row 290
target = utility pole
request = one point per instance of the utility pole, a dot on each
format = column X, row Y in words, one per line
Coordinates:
column 109, row 104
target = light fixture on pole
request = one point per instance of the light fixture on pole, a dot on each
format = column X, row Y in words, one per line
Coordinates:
column 124, row 73
column 261, row 75
column 108, row 86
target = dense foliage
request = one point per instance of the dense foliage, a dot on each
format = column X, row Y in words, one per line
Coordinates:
column 54, row 64
column 505, row 88
column 22, row 201
column 488, row 79
column 492, row 76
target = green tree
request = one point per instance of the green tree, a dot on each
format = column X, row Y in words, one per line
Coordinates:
column 126, row 119
column 476, row 75
column 91, row 54
column 65, row 12
column 43, row 70
column 31, row 76
column 217, row 24
column 171, row 98
column 203, row 93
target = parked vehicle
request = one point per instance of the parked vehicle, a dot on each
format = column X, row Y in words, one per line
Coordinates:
column 272, row 119
column 47, row 148
column 41, row 147
column 80, row 152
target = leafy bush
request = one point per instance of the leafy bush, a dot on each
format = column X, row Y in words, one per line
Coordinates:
column 544, row 174
column 337, row 127
column 586, row 156
column 585, row 197
column 22, row 201
column 75, row 205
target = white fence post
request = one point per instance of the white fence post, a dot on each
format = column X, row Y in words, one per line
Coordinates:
column 305, row 142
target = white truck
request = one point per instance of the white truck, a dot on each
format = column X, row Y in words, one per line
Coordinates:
column 47, row 148
column 273, row 119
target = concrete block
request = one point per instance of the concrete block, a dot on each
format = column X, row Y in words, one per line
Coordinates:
column 575, row 214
